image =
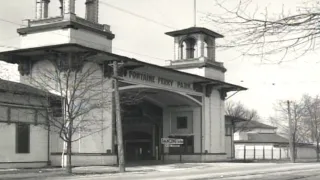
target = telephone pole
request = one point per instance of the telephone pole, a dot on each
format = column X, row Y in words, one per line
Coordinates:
column 118, row 118
column 292, row 155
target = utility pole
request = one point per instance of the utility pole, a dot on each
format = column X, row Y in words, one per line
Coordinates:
column 292, row 158
column 118, row 118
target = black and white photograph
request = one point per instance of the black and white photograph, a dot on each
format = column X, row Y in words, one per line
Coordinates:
column 159, row 89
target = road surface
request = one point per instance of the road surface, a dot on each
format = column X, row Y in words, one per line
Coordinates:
column 272, row 171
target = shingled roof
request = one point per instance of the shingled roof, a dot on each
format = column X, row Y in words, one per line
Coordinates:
column 264, row 138
column 253, row 125
column 19, row 88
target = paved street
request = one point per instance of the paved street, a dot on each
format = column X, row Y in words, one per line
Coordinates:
column 189, row 171
column 305, row 174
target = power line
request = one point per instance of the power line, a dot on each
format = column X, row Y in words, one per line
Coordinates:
column 136, row 15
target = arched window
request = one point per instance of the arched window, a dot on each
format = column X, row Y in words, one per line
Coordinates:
column 188, row 48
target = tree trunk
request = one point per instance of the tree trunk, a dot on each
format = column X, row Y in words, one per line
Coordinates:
column 318, row 148
column 294, row 148
column 69, row 164
column 69, row 149
column 291, row 142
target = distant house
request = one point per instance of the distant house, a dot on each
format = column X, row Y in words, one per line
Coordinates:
column 255, row 140
column 230, row 123
column 23, row 116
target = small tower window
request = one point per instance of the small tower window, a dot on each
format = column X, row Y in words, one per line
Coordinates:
column 188, row 48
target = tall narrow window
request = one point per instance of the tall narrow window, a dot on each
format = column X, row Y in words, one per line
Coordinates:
column 23, row 138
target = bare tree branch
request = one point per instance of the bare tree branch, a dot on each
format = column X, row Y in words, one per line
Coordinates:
column 263, row 34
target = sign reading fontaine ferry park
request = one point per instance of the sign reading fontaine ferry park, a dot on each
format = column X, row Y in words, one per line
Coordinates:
column 157, row 80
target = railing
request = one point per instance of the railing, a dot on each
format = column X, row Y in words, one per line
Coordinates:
column 92, row 24
column 38, row 22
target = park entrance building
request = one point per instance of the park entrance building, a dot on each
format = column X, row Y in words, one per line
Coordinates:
column 184, row 99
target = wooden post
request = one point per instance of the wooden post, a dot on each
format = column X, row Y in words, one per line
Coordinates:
column 280, row 153
column 272, row 152
column 118, row 118
column 254, row 152
column 180, row 153
column 163, row 154
column 263, row 153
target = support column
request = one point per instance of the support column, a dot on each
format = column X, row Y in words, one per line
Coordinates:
column 42, row 9
column 181, row 51
column 212, row 51
column 45, row 7
column 200, row 46
column 176, row 49
column 38, row 9
column 92, row 10
column 69, row 7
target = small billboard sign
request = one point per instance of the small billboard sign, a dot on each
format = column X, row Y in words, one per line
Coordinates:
column 171, row 141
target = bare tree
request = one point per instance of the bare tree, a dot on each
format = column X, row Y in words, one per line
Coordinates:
column 83, row 97
column 257, row 32
column 298, row 129
column 312, row 119
column 237, row 111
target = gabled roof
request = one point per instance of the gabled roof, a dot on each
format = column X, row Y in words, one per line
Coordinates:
column 253, row 125
column 264, row 138
column 193, row 30
column 23, row 89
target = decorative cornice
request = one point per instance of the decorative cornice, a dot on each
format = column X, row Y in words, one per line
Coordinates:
column 185, row 65
column 60, row 23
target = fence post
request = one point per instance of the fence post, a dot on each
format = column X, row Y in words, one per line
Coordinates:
column 254, row 152
column 263, row 153
column 272, row 152
column 280, row 152
column 244, row 153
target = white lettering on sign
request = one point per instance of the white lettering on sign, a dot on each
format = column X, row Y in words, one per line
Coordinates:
column 158, row 80
column 141, row 76
column 171, row 141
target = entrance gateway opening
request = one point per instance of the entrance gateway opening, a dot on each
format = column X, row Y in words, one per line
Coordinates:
column 148, row 115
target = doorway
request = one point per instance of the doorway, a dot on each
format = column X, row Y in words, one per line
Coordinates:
column 138, row 146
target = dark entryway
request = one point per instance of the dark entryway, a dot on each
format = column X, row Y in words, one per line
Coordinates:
column 138, row 146
column 141, row 128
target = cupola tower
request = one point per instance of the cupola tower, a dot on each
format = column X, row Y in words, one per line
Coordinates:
column 194, row 52
column 45, row 30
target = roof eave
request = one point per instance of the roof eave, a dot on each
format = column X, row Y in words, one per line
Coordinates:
column 9, row 56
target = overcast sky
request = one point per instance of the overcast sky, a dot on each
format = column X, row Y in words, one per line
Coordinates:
column 147, row 42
